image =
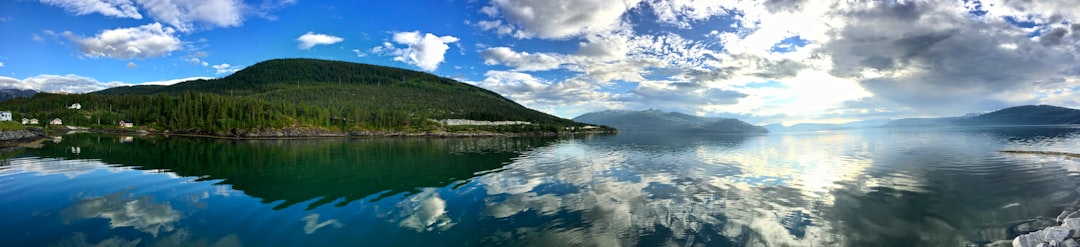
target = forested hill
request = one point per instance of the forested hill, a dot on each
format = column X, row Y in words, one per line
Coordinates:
column 279, row 93
column 354, row 86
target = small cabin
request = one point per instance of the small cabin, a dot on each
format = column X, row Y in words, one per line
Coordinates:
column 5, row 116
column 56, row 121
column 126, row 124
column 75, row 106
column 33, row 121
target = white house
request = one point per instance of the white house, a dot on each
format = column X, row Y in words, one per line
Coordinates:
column 126, row 124
column 5, row 116
column 33, row 121
column 56, row 121
column 75, row 106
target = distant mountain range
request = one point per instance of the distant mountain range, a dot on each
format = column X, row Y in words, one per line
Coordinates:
column 6, row 94
column 1020, row 115
column 660, row 121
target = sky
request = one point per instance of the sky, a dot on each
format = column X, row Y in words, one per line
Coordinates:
column 773, row 61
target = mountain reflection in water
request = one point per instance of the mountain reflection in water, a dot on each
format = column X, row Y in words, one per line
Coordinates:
column 938, row 187
column 295, row 171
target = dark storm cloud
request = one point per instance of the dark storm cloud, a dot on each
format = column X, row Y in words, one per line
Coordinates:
column 782, row 69
column 928, row 57
column 1053, row 37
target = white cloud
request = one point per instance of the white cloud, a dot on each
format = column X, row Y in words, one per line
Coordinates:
column 75, row 83
column 359, row 53
column 311, row 39
column 568, row 98
column 197, row 61
column 58, row 83
column 142, row 213
column 916, row 57
column 111, row 8
column 174, row 81
column 521, row 60
column 425, row 51
column 424, row 211
column 180, row 14
column 497, row 25
column 561, row 19
column 226, row 68
column 151, row 40
column 1, row 64
column 132, row 65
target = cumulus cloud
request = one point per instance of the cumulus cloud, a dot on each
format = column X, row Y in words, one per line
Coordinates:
column 311, row 39
column 1, row 64
column 183, row 13
column 132, row 65
column 935, row 57
column 151, row 40
column 180, row 14
column 426, row 51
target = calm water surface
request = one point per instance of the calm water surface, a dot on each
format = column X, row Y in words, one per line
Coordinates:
column 944, row 187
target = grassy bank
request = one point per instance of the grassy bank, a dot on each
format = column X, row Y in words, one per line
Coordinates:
column 11, row 125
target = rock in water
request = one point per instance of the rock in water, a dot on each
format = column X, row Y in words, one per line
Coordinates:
column 1073, row 215
column 1070, row 243
column 1061, row 217
column 1074, row 225
column 1056, row 233
column 1028, row 240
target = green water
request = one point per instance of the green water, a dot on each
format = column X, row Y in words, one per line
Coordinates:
column 941, row 187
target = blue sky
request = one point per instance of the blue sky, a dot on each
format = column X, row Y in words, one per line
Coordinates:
column 776, row 61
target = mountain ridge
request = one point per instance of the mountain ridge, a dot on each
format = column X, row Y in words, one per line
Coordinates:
column 660, row 121
column 1016, row 115
column 11, row 93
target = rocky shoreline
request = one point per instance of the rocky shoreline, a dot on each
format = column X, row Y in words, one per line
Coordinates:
column 319, row 133
column 15, row 137
column 1066, row 234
